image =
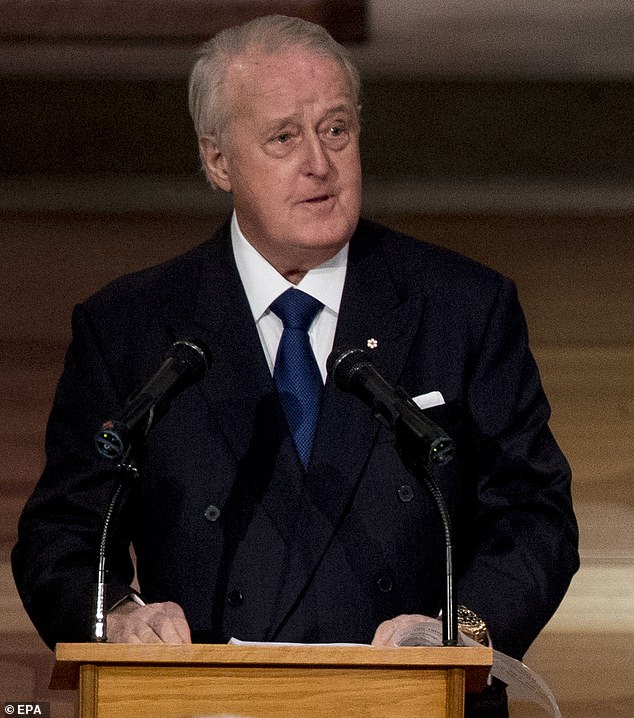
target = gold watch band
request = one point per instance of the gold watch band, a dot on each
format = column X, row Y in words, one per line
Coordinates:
column 472, row 625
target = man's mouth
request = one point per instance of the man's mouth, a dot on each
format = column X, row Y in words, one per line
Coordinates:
column 318, row 199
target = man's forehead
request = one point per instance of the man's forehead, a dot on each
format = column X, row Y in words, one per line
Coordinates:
column 273, row 88
column 258, row 72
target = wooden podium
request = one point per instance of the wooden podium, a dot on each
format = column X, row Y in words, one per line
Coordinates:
column 159, row 681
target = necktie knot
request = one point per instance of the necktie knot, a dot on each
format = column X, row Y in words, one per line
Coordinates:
column 296, row 309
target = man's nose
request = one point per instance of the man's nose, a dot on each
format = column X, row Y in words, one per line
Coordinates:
column 316, row 160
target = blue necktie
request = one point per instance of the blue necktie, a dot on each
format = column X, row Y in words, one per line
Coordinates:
column 296, row 374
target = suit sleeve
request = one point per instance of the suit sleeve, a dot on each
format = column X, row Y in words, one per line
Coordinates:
column 54, row 560
column 525, row 529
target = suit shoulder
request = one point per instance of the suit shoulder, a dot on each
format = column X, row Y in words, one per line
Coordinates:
column 420, row 262
column 173, row 280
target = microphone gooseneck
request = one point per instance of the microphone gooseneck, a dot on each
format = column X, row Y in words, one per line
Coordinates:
column 99, row 631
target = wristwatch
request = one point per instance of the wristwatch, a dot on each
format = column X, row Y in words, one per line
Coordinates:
column 472, row 625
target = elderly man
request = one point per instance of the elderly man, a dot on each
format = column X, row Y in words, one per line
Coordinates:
column 251, row 518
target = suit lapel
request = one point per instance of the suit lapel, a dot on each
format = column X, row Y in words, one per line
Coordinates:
column 238, row 382
column 375, row 312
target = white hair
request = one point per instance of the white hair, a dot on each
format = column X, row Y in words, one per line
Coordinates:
column 269, row 34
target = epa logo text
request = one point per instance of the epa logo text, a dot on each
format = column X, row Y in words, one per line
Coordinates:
column 19, row 708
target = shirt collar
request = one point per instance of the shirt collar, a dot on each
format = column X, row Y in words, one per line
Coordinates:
column 263, row 284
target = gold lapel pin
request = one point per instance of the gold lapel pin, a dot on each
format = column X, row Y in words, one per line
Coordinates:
column 372, row 343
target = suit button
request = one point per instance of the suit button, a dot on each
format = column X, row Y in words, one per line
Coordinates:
column 212, row 513
column 235, row 599
column 405, row 493
column 384, row 583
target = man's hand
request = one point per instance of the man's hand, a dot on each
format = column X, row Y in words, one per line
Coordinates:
column 154, row 623
column 391, row 633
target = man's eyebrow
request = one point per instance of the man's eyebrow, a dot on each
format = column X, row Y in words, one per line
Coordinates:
column 279, row 122
column 345, row 107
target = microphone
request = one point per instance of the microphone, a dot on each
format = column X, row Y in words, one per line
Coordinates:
column 354, row 372
column 184, row 365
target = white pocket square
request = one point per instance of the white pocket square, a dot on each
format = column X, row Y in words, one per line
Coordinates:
column 425, row 401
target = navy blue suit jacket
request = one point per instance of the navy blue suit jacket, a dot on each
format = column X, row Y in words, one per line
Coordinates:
column 225, row 521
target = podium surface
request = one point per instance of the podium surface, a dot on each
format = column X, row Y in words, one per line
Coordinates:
column 269, row 681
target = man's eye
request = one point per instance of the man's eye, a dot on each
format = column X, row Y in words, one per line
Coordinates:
column 283, row 137
column 338, row 134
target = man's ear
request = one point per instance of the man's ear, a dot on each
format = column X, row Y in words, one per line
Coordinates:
column 215, row 163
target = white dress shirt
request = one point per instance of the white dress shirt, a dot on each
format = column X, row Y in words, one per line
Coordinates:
column 264, row 284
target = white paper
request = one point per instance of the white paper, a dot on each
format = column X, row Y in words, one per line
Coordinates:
column 238, row 642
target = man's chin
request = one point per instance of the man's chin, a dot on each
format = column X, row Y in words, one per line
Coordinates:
column 323, row 247
column 333, row 234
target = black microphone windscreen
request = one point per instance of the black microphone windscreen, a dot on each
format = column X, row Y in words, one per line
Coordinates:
column 343, row 364
column 194, row 354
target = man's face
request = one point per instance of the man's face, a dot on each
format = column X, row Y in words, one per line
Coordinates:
column 290, row 155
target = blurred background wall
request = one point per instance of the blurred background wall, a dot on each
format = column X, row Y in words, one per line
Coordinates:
column 503, row 130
